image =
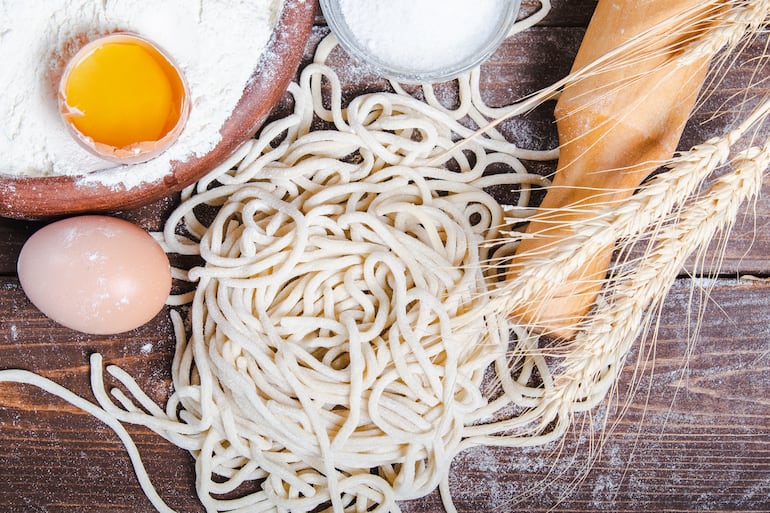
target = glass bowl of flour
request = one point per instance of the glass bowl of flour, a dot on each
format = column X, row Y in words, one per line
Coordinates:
column 414, row 41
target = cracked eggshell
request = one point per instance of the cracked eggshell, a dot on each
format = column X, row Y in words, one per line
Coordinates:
column 95, row 274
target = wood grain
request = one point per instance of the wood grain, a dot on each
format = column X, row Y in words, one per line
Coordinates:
column 691, row 437
column 694, row 434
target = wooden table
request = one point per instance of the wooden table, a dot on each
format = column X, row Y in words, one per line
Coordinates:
column 694, row 434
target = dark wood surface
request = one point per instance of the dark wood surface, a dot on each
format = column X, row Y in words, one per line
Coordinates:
column 689, row 431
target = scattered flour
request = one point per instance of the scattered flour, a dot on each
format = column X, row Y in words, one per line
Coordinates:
column 216, row 43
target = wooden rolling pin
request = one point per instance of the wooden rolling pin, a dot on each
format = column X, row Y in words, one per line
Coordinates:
column 615, row 128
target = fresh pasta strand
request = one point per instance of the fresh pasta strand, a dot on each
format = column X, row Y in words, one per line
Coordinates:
column 29, row 378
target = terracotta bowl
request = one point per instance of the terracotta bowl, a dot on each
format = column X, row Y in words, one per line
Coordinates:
column 56, row 196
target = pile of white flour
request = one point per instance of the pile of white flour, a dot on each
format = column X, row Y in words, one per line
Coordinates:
column 423, row 35
column 216, row 44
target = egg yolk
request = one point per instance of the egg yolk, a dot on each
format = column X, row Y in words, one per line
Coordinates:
column 124, row 91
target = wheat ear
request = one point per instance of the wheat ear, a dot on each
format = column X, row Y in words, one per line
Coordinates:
column 741, row 18
column 661, row 195
column 736, row 19
column 681, row 222
column 600, row 348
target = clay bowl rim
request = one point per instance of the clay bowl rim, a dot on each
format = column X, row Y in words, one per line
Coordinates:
column 60, row 196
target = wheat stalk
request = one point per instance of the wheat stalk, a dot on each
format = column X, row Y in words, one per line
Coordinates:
column 741, row 17
column 601, row 347
column 664, row 193
column 679, row 220
column 588, row 370
column 733, row 19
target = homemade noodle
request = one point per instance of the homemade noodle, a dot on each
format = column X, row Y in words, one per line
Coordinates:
column 338, row 338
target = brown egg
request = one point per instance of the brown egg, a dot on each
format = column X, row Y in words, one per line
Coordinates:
column 95, row 274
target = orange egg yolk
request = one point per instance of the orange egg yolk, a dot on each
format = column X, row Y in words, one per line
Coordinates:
column 123, row 92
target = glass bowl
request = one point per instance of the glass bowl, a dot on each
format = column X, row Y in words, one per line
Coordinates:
column 470, row 58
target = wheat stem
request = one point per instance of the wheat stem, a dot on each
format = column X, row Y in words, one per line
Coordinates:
column 656, row 199
column 601, row 347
